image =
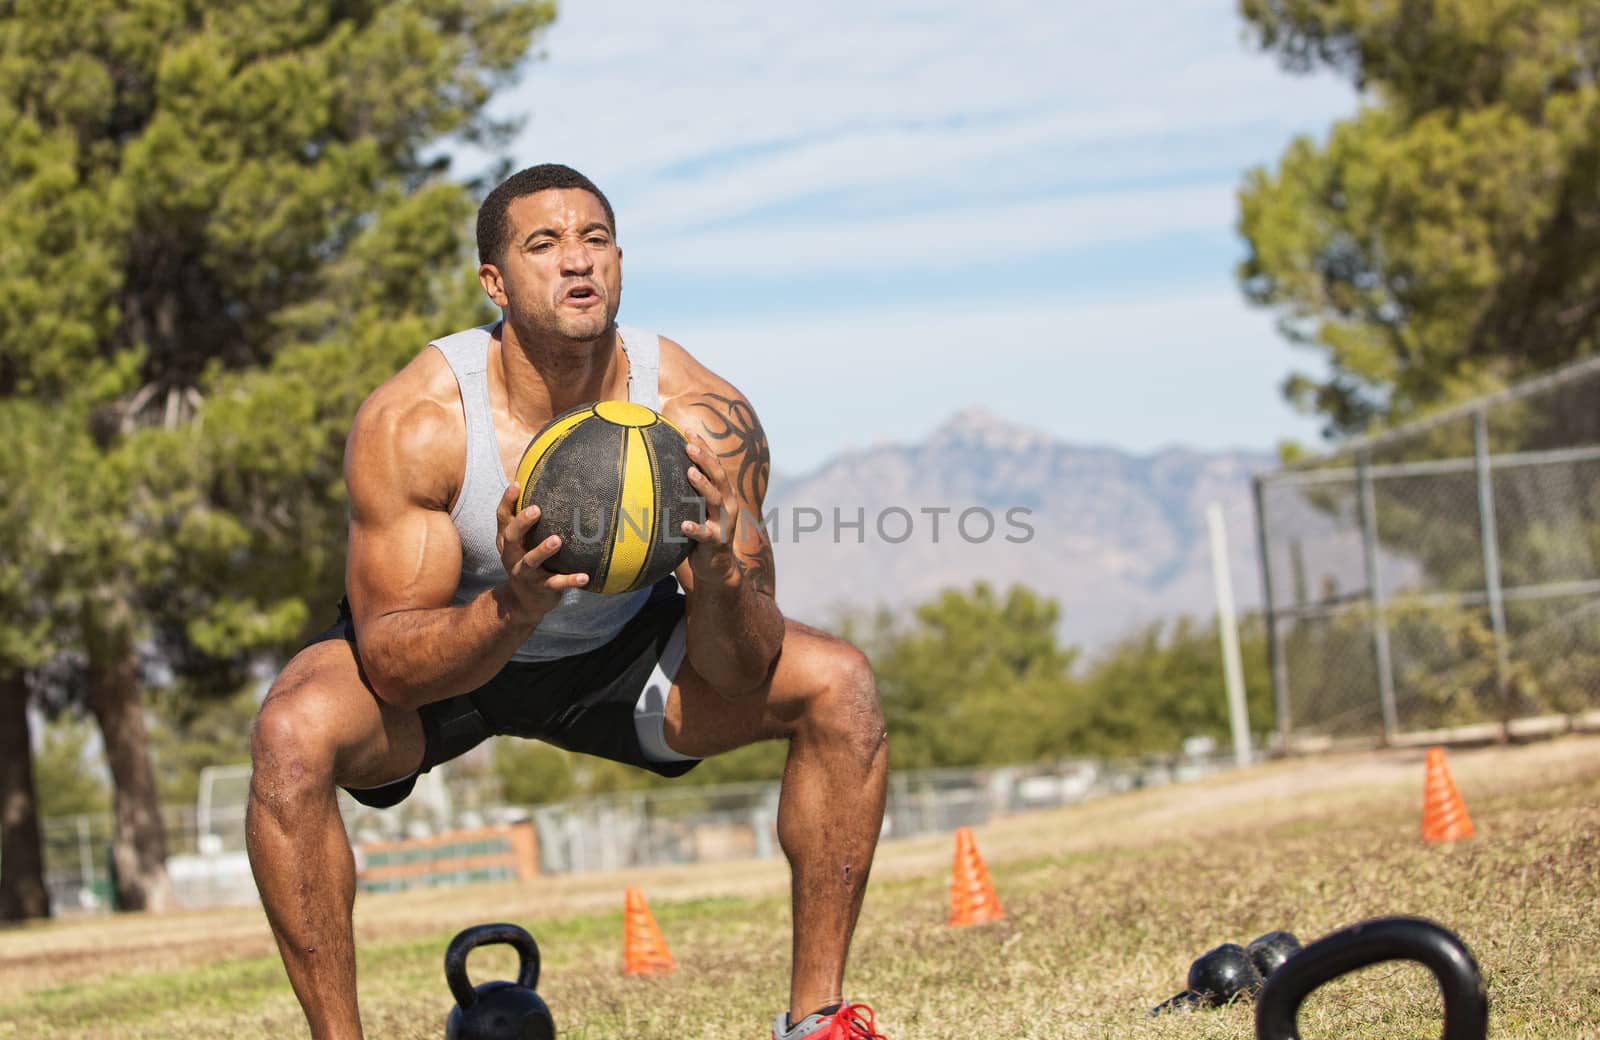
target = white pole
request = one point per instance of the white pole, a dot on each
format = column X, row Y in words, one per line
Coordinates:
column 85, row 857
column 1232, row 669
column 202, row 806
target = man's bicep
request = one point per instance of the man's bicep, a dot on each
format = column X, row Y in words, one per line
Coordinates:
column 407, row 560
column 404, row 554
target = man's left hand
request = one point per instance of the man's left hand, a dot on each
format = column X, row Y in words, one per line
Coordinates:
column 712, row 559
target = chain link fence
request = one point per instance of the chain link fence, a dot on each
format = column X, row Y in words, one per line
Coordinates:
column 1442, row 579
column 208, row 865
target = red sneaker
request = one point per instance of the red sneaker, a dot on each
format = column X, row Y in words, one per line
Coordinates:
column 850, row 1022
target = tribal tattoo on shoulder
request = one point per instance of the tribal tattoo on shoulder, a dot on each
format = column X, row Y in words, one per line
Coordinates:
column 732, row 430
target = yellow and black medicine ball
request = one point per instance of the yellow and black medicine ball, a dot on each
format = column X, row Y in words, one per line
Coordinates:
column 612, row 479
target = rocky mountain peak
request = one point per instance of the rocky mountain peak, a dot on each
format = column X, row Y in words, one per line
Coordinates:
column 979, row 427
column 1117, row 538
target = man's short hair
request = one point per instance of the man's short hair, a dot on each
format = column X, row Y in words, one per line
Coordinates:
column 494, row 221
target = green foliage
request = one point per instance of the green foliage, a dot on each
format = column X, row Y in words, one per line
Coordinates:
column 977, row 679
column 36, row 516
column 757, row 763
column 533, row 773
column 1445, row 240
column 1151, row 690
column 973, row 678
column 219, row 229
column 197, row 170
column 189, row 733
column 1448, row 673
column 68, row 771
column 1335, row 679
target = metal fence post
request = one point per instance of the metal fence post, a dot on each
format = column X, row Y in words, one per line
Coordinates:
column 1276, row 659
column 1380, row 625
column 1491, row 557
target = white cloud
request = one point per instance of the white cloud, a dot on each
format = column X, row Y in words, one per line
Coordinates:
column 701, row 109
column 938, row 239
column 889, row 157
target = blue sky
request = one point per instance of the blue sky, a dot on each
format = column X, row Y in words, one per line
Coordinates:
column 872, row 216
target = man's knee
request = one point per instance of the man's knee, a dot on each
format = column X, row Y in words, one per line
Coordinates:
column 292, row 748
column 843, row 704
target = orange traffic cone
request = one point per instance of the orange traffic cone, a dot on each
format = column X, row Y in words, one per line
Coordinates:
column 644, row 949
column 1444, row 814
column 972, row 898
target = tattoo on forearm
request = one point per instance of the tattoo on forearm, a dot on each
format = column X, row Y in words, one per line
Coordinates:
column 760, row 571
column 734, row 432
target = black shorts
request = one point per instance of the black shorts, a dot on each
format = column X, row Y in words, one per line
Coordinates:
column 582, row 703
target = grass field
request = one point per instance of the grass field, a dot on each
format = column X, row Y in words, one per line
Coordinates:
column 1107, row 903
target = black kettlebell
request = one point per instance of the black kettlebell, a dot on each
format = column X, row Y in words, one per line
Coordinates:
column 496, row 1010
column 1224, row 972
column 1466, row 1002
column 1271, row 950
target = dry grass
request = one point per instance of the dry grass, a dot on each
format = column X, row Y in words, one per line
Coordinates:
column 1107, row 902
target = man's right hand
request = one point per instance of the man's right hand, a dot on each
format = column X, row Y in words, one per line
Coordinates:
column 531, row 592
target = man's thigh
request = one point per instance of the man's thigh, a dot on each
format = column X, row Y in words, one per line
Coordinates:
column 701, row 722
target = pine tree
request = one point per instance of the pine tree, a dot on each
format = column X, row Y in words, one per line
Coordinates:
column 220, row 225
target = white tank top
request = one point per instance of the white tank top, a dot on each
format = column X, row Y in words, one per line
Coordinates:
column 583, row 620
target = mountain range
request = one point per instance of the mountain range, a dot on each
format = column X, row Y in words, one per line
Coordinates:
column 1117, row 539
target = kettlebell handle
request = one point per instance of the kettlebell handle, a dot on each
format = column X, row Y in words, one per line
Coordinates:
column 1466, row 1003
column 455, row 958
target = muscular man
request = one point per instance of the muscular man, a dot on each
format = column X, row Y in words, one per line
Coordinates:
column 452, row 631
